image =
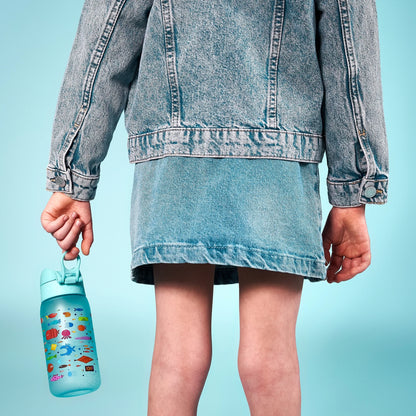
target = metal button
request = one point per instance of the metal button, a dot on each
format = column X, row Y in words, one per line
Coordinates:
column 370, row 192
column 60, row 181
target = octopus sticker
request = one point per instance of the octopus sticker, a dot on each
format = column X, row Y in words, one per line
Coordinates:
column 66, row 334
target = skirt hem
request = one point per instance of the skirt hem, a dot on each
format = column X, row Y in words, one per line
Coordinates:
column 226, row 259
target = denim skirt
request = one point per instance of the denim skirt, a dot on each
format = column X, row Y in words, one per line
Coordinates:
column 258, row 213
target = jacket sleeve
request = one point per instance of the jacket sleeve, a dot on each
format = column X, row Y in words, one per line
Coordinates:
column 102, row 64
column 353, row 118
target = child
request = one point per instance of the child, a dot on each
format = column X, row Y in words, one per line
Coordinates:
column 229, row 107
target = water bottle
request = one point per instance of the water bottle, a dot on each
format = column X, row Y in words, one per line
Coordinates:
column 68, row 336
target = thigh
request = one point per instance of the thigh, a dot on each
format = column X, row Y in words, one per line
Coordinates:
column 269, row 305
column 184, row 294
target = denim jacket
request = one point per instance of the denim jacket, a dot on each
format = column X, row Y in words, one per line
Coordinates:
column 282, row 79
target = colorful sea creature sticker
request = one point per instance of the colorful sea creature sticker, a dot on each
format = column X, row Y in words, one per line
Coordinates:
column 52, row 333
column 52, row 356
column 82, row 327
column 78, row 309
column 83, row 338
column 69, row 324
column 82, row 318
column 56, row 377
column 66, row 334
column 53, row 347
column 67, row 314
column 55, row 322
column 52, row 315
column 68, row 349
column 63, row 366
column 50, row 368
column 84, row 359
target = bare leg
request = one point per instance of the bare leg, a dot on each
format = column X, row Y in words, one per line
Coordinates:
column 267, row 358
column 183, row 346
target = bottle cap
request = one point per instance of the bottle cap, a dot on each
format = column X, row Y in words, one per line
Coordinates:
column 65, row 282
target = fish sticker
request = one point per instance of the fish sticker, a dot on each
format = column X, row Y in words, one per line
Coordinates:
column 67, row 314
column 52, row 315
column 68, row 349
column 55, row 377
column 56, row 322
column 84, row 359
column 78, row 309
column 63, row 366
column 52, row 356
column 52, row 333
column 82, row 318
column 83, row 338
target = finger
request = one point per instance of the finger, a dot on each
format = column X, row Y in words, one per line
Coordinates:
column 87, row 238
column 352, row 267
column 51, row 225
column 72, row 237
column 326, row 245
column 72, row 253
column 334, row 266
column 64, row 230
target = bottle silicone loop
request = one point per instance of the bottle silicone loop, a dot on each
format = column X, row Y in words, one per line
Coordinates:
column 72, row 275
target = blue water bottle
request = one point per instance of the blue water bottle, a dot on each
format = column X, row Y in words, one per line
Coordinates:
column 68, row 336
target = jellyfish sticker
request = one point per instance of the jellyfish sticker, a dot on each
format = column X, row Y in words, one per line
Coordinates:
column 66, row 334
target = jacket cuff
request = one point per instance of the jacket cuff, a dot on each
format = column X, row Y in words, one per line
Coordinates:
column 352, row 194
column 78, row 187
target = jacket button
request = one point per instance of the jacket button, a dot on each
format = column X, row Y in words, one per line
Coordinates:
column 370, row 192
column 59, row 181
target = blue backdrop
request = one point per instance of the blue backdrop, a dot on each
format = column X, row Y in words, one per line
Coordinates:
column 356, row 340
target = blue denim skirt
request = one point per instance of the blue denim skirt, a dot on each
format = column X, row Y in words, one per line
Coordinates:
column 258, row 213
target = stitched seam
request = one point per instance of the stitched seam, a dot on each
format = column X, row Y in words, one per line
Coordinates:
column 355, row 182
column 161, row 155
column 92, row 71
column 74, row 173
column 170, row 54
column 232, row 247
column 353, row 81
column 275, row 43
column 318, row 136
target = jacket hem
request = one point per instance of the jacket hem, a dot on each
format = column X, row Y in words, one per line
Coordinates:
column 226, row 259
column 226, row 142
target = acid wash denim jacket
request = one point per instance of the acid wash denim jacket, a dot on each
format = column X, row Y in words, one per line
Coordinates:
column 282, row 79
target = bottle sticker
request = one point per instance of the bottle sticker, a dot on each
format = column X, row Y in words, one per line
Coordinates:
column 69, row 344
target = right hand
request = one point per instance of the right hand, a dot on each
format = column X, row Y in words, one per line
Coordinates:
column 346, row 230
column 65, row 219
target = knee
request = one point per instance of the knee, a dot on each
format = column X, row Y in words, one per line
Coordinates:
column 259, row 374
column 185, row 364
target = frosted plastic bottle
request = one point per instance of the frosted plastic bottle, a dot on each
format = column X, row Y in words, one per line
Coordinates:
column 68, row 336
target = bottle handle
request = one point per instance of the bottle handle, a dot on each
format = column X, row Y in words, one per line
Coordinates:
column 70, row 276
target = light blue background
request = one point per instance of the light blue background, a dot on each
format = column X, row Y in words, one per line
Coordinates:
column 356, row 340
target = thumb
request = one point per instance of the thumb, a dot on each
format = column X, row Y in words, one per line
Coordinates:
column 87, row 238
